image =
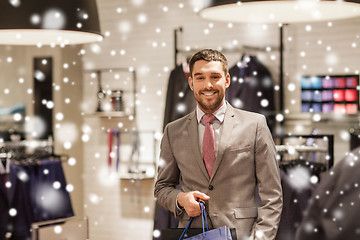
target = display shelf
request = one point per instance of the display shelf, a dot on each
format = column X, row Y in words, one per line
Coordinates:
column 9, row 121
column 145, row 170
column 135, row 176
column 8, row 118
column 330, row 94
column 112, row 114
column 300, row 148
column 322, row 117
column 118, row 109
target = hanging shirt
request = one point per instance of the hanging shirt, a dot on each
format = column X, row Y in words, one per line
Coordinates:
column 252, row 88
column 180, row 99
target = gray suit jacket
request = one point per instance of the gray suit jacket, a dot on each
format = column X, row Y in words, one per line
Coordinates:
column 245, row 163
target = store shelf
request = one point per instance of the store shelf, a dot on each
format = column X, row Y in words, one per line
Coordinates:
column 136, row 170
column 300, row 148
column 324, row 117
column 135, row 176
column 117, row 114
column 7, row 121
column 139, row 175
column 105, row 114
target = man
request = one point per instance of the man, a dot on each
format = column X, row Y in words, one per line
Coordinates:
column 238, row 159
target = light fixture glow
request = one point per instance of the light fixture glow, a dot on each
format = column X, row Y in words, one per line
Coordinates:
column 43, row 22
column 271, row 11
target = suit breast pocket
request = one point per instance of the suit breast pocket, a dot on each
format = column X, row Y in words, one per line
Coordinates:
column 240, row 157
column 240, row 149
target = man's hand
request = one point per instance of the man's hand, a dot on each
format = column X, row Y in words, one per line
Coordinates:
column 190, row 201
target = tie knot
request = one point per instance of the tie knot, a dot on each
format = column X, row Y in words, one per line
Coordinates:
column 208, row 118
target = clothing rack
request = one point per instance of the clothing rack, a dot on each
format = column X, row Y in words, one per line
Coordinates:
column 37, row 159
column 28, row 146
column 243, row 48
column 329, row 150
column 27, row 143
column 29, row 151
column 135, row 142
column 314, row 166
column 134, row 169
column 31, row 182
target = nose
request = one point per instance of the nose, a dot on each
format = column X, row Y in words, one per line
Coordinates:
column 208, row 83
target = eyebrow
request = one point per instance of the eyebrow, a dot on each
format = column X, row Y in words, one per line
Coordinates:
column 213, row 73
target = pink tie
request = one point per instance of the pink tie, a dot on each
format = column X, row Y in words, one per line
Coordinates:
column 209, row 143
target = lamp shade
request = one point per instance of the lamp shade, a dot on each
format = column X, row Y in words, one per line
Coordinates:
column 281, row 11
column 48, row 22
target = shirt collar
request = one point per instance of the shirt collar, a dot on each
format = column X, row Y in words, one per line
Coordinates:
column 219, row 114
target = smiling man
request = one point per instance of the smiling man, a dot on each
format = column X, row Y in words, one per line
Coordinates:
column 222, row 156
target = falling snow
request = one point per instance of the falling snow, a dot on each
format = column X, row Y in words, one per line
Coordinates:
column 142, row 41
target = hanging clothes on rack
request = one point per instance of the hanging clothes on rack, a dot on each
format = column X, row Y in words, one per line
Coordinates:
column 179, row 98
column 180, row 101
column 294, row 203
column 35, row 191
column 16, row 213
column 252, row 88
column 111, row 134
column 300, row 173
column 49, row 197
column 134, row 158
column 117, row 135
column 333, row 210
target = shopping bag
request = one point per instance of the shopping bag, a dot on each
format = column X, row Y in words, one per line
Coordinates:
column 175, row 233
column 222, row 233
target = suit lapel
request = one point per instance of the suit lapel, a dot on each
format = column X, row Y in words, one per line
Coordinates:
column 194, row 140
column 228, row 126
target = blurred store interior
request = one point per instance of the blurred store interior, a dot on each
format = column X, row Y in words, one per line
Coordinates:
column 81, row 124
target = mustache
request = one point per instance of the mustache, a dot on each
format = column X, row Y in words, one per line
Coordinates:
column 209, row 90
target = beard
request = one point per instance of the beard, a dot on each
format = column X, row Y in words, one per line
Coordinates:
column 212, row 105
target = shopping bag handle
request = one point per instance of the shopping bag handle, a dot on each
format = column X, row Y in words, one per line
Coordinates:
column 203, row 218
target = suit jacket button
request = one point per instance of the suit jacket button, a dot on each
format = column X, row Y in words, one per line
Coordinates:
column 211, row 187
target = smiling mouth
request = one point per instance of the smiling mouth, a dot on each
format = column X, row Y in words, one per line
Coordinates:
column 208, row 93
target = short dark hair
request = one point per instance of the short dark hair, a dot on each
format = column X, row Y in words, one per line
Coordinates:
column 209, row 55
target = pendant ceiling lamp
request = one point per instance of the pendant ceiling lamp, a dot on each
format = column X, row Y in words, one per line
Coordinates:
column 48, row 22
column 281, row 11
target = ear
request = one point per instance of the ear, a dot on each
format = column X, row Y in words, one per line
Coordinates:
column 227, row 81
column 190, row 81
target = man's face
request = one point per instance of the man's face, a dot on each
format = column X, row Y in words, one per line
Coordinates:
column 208, row 82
